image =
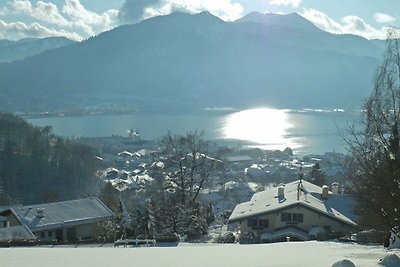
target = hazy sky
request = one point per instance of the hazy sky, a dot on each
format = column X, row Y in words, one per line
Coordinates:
column 80, row 19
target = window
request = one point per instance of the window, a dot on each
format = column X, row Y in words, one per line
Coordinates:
column 292, row 218
column 257, row 223
column 286, row 217
column 42, row 235
column 252, row 222
column 263, row 223
column 297, row 217
column 50, row 234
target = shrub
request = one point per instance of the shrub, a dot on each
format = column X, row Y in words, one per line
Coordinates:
column 229, row 237
column 218, row 239
column 248, row 238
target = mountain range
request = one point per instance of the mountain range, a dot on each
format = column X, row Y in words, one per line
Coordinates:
column 15, row 50
column 185, row 61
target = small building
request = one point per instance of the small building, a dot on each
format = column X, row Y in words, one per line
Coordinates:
column 298, row 210
column 112, row 173
column 238, row 158
column 61, row 221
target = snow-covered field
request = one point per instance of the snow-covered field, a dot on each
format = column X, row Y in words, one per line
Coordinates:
column 312, row 253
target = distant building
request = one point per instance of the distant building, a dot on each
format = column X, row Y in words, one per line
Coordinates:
column 62, row 221
column 135, row 136
column 297, row 210
column 238, row 158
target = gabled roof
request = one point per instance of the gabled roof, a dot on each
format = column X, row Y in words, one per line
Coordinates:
column 4, row 208
column 338, row 207
column 60, row 214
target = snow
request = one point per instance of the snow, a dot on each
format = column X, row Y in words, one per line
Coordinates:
column 196, row 255
column 344, row 263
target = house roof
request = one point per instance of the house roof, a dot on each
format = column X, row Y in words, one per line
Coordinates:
column 3, row 208
column 238, row 158
column 61, row 214
column 338, row 207
column 20, row 232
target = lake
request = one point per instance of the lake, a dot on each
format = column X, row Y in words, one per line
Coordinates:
column 305, row 131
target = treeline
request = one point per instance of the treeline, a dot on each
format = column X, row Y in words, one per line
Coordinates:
column 37, row 166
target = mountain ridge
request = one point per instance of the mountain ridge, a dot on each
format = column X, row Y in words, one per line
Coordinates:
column 16, row 50
column 188, row 61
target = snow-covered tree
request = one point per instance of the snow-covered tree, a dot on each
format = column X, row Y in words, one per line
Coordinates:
column 188, row 155
column 190, row 164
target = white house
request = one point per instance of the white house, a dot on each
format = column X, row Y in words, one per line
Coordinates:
column 299, row 210
column 62, row 221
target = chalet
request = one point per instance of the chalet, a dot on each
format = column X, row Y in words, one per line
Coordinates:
column 298, row 210
column 62, row 221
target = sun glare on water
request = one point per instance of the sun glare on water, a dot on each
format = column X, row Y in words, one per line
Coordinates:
column 264, row 126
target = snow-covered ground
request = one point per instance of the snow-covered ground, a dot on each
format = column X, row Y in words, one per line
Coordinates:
column 312, row 253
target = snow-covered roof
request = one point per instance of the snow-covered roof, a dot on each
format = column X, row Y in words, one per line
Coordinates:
column 110, row 170
column 14, row 233
column 336, row 206
column 126, row 153
column 59, row 214
column 238, row 158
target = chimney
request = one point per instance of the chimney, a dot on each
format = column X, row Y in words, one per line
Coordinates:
column 325, row 192
column 40, row 213
column 335, row 188
column 281, row 191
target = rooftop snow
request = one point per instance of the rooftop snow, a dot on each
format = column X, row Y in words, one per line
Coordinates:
column 238, row 158
column 64, row 213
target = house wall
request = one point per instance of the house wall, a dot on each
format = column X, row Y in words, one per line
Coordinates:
column 79, row 231
column 310, row 219
column 47, row 235
column 85, row 231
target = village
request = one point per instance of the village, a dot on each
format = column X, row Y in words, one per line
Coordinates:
column 255, row 196
column 133, row 167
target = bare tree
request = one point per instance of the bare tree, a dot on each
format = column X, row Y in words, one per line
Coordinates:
column 193, row 166
column 374, row 145
column 190, row 165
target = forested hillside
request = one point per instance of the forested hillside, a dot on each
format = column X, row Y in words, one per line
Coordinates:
column 38, row 166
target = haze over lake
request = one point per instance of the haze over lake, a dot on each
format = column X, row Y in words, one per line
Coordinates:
column 305, row 131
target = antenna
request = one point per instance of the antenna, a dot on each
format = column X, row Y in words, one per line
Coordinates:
column 301, row 175
column 300, row 184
